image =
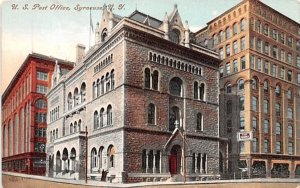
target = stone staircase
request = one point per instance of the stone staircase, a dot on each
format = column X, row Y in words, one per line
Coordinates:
column 176, row 178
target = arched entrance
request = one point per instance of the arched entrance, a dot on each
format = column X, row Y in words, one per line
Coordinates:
column 175, row 160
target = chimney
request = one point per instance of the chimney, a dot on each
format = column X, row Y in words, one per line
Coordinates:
column 80, row 48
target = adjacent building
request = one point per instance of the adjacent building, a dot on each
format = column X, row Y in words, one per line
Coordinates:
column 259, row 88
column 24, row 111
column 131, row 100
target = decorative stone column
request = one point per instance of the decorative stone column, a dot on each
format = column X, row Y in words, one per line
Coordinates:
column 154, row 161
column 147, row 161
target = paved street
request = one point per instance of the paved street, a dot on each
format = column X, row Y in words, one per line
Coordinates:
column 25, row 181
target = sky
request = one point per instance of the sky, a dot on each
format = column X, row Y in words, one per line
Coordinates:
column 57, row 32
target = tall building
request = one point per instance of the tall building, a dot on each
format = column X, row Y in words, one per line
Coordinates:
column 131, row 100
column 259, row 88
column 24, row 109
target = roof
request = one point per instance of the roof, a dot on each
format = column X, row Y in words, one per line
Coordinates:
column 142, row 18
column 23, row 66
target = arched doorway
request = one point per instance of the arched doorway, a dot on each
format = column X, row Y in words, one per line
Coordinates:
column 175, row 160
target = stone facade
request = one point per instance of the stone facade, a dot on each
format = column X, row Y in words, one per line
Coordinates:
column 141, row 90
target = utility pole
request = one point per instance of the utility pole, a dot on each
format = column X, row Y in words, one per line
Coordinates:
column 86, row 151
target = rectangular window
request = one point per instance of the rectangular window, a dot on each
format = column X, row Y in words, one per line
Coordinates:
column 274, row 34
column 252, row 42
column 281, row 37
column 290, row 148
column 41, row 89
column 274, row 70
column 227, row 50
column 221, row 52
column 289, row 75
column 259, row 64
column 290, row 41
column 282, row 55
column 42, row 75
column 289, row 58
column 258, row 45
column 243, row 44
column 298, row 78
column 282, row 72
column 221, row 72
column 266, row 146
column 235, row 47
column 298, row 61
column 275, row 52
column 235, row 66
column 266, row 51
column 252, row 61
column 243, row 63
column 278, row 147
column 266, row 67
column 228, row 68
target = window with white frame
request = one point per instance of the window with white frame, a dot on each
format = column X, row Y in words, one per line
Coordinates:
column 42, row 75
column 41, row 89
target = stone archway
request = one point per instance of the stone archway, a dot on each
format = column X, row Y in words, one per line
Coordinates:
column 175, row 159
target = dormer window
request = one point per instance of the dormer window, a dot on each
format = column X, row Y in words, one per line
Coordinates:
column 104, row 35
column 175, row 36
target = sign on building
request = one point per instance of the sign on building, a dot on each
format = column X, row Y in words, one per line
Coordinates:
column 244, row 136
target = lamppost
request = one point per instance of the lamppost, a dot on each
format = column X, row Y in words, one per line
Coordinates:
column 182, row 133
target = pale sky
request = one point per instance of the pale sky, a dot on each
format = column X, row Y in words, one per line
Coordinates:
column 56, row 32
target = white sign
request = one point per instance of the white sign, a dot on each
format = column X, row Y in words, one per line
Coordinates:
column 244, row 136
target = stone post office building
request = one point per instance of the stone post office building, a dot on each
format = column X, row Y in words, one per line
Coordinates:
column 143, row 87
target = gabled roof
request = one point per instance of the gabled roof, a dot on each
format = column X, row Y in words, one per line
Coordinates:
column 145, row 19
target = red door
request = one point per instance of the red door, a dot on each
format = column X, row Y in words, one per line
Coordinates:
column 173, row 164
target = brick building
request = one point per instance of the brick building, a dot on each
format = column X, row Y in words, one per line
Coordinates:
column 259, row 87
column 143, row 87
column 24, row 109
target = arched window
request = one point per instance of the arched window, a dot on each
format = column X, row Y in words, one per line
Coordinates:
column 235, row 28
column 102, row 85
column 266, row 126
column 104, row 35
column 94, row 90
column 72, row 157
column 155, row 80
column 228, row 33
column 107, row 80
column 254, row 83
column 79, row 125
column 221, row 36
column 243, row 24
column 41, row 104
column 202, row 91
column 93, row 158
column 76, row 97
column 290, row 113
column 101, row 117
column 175, row 86
column 16, row 130
column 147, row 78
column 75, row 127
column 109, row 115
column 65, row 157
column 96, row 120
column 278, row 128
column 112, row 78
column 83, row 92
column 111, row 151
column 151, row 113
column 58, row 162
column 175, row 36
column 70, row 101
column 266, row 86
column 266, row 106
column 196, row 94
column 228, row 88
column 241, row 85
column 199, row 122
column 100, row 156
column 71, row 128
column 174, row 117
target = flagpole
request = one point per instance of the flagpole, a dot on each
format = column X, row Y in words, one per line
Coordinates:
column 90, row 29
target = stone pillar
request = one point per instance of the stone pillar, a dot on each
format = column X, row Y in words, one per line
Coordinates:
column 201, row 170
column 147, row 161
column 154, row 161
column 260, row 120
column 196, row 166
column 272, row 131
column 292, row 169
column 268, row 168
column 164, row 162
